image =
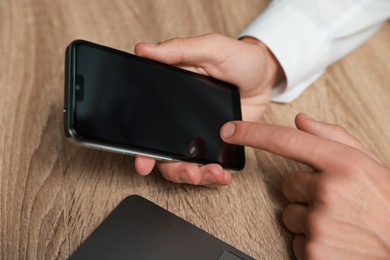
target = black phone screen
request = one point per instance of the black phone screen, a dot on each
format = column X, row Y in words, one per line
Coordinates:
column 124, row 100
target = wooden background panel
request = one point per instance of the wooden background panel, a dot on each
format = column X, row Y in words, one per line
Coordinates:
column 53, row 193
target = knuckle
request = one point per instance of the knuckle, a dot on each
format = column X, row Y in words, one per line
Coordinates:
column 316, row 224
column 287, row 213
column 323, row 190
column 282, row 137
column 179, row 45
column 194, row 174
column 354, row 165
column 312, row 250
column 289, row 185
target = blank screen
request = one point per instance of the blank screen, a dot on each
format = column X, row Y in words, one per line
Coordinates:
column 128, row 101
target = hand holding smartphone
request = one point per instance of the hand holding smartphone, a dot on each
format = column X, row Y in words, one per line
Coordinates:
column 124, row 103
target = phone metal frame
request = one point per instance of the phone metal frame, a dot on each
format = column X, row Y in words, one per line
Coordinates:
column 68, row 116
column 113, row 148
column 69, row 104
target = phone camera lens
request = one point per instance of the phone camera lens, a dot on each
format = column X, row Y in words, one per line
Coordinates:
column 79, row 88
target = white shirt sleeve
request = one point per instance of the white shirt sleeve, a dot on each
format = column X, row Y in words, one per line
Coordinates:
column 306, row 36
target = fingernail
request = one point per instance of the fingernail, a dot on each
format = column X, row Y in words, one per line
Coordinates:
column 227, row 178
column 228, row 129
column 182, row 177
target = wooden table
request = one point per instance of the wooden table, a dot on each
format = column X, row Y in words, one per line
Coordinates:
column 53, row 193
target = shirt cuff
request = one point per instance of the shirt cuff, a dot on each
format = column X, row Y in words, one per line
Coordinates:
column 297, row 42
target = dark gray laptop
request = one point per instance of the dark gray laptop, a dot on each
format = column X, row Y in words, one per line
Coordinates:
column 139, row 229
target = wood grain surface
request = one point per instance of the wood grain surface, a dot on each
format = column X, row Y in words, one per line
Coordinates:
column 53, row 193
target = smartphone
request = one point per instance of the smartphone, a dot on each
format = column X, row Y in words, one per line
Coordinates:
column 121, row 102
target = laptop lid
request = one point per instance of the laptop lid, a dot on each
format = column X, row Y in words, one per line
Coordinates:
column 140, row 229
